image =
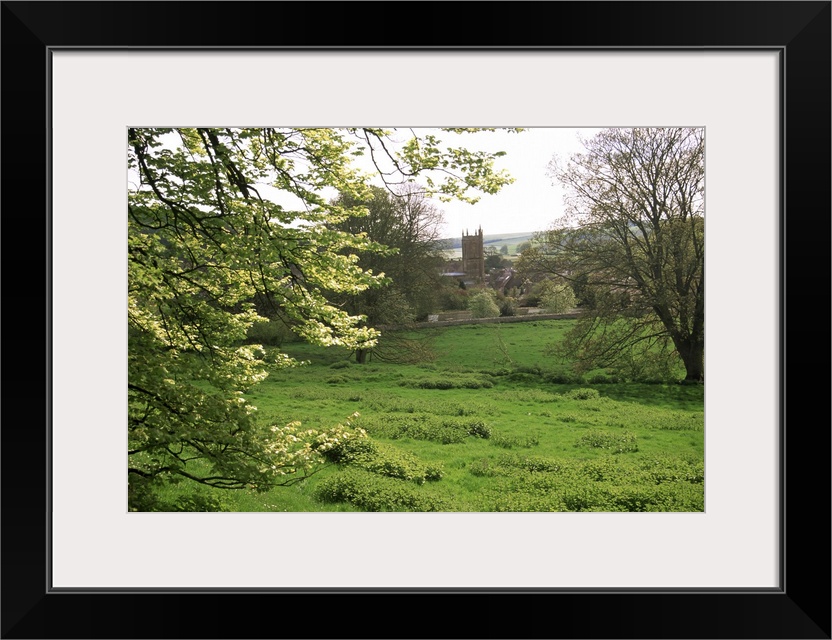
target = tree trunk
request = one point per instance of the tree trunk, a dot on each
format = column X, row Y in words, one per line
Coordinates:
column 361, row 356
column 693, row 356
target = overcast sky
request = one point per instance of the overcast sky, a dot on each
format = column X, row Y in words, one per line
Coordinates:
column 532, row 202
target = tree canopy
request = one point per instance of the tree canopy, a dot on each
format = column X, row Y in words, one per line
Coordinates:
column 220, row 220
column 632, row 245
column 407, row 224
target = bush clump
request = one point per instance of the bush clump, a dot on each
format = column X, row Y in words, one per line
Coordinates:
column 583, row 394
column 509, row 442
column 383, row 459
column 608, row 483
column 563, row 377
column 423, row 426
column 449, row 382
column 479, row 429
column 621, row 442
column 508, row 307
column 483, row 305
column 372, row 492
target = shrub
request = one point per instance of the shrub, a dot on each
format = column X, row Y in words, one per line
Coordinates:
column 666, row 469
column 508, row 307
column 599, row 378
column 435, row 384
column 537, row 464
column 583, row 394
column 272, row 333
column 372, row 492
column 607, row 483
column 681, row 423
column 517, row 376
column 449, row 382
column 424, row 427
column 383, row 459
column 555, row 297
column 453, row 299
column 482, row 305
column 678, row 496
column 395, row 463
column 623, row 442
column 351, row 450
column 563, row 377
column 530, row 300
column 509, row 442
column 479, row 429
column 526, row 373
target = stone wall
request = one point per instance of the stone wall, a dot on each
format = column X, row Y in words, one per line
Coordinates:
column 528, row 317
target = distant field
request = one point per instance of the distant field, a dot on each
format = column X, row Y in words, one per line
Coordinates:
column 492, row 424
column 495, row 240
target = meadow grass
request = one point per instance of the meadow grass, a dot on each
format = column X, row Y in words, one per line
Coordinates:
column 492, row 424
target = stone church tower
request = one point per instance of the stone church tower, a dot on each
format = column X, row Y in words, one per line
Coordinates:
column 473, row 255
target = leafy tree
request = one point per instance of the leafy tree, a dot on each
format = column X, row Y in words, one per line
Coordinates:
column 633, row 243
column 222, row 222
column 555, row 297
column 483, row 305
column 504, row 250
column 407, row 224
column 508, row 306
column 496, row 261
column 452, row 296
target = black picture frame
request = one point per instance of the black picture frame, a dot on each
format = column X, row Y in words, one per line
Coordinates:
column 800, row 608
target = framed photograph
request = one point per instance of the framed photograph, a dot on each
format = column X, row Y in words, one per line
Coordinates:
column 753, row 77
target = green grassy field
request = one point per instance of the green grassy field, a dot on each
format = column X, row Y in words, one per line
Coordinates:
column 491, row 424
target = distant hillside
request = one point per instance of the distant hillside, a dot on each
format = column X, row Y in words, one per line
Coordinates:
column 497, row 240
